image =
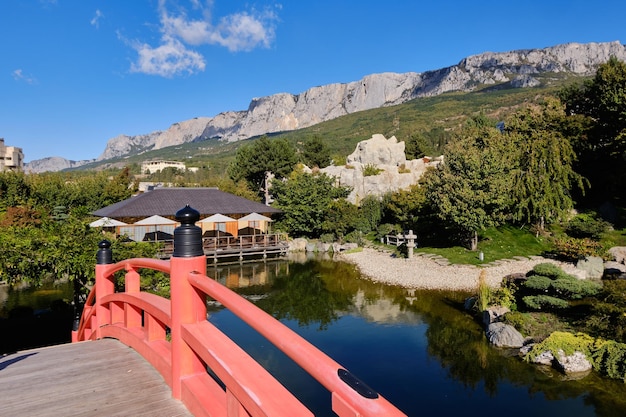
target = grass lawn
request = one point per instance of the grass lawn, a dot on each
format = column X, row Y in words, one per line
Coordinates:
column 495, row 243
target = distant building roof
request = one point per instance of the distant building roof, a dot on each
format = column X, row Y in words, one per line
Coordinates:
column 167, row 201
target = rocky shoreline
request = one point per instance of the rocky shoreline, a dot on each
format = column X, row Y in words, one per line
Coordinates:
column 425, row 271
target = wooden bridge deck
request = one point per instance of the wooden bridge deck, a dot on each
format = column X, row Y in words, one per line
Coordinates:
column 100, row 378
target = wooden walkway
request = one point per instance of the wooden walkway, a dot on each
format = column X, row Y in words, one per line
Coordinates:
column 100, row 378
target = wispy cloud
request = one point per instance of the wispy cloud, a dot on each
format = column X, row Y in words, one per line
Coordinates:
column 96, row 19
column 19, row 75
column 243, row 31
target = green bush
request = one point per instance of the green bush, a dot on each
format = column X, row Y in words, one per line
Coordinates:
column 538, row 283
column 544, row 302
column 370, row 170
column 572, row 249
column 609, row 359
column 327, row 238
column 547, row 269
column 565, row 341
column 575, row 289
column 587, row 226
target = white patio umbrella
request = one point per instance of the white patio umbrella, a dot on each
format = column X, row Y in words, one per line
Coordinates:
column 255, row 217
column 106, row 222
column 217, row 219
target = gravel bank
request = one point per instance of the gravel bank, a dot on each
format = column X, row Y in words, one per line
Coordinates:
column 432, row 272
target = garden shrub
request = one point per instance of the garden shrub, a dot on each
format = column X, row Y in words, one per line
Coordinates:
column 551, row 281
column 587, row 226
column 548, row 270
column 538, row 283
column 572, row 249
column 384, row 230
column 565, row 341
column 327, row 238
column 609, row 358
column 544, row 302
column 575, row 289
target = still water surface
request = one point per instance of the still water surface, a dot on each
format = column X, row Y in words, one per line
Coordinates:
column 416, row 348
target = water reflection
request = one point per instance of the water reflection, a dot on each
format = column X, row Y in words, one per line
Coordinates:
column 417, row 348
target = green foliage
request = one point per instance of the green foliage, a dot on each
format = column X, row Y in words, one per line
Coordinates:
column 340, row 218
column 549, row 270
column 607, row 357
column 543, row 174
column 544, row 302
column 371, row 170
column 575, row 289
column 484, row 292
column 565, row 341
column 264, row 155
column 371, row 213
column 472, row 189
column 552, row 288
column 572, row 249
column 538, row 283
column 607, row 317
column 598, row 107
column 316, row 153
column 610, row 359
column 586, row 225
column 307, row 202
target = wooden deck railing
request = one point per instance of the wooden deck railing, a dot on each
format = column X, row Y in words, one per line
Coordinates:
column 176, row 338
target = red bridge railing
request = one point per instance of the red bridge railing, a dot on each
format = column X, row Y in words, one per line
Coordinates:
column 176, row 338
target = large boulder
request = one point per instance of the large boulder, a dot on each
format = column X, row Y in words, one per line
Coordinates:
column 618, row 253
column 396, row 172
column 494, row 314
column 592, row 265
column 504, row 335
column 576, row 363
column 297, row 245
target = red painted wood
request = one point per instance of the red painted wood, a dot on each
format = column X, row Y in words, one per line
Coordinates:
column 141, row 321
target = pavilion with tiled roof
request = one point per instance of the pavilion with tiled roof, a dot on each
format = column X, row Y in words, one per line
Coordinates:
column 166, row 201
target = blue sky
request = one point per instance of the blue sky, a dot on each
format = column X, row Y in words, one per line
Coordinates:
column 75, row 73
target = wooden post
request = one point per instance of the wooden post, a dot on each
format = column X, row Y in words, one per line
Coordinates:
column 188, row 305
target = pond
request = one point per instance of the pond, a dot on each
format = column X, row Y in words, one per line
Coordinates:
column 418, row 349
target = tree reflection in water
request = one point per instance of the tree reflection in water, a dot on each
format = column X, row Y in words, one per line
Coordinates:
column 415, row 346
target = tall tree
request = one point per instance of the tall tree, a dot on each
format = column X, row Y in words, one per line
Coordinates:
column 601, row 141
column 471, row 190
column 253, row 162
column 316, row 153
column 305, row 200
column 544, row 174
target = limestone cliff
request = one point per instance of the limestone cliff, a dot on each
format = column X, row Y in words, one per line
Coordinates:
column 285, row 111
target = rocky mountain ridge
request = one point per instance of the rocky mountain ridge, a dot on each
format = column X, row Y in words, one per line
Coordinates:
column 284, row 111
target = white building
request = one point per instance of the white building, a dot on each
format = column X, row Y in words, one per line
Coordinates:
column 150, row 167
column 11, row 157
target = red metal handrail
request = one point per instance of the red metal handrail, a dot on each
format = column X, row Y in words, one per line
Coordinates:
column 175, row 337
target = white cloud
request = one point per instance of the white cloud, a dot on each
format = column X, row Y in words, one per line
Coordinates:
column 242, row 31
column 167, row 60
column 19, row 75
column 96, row 19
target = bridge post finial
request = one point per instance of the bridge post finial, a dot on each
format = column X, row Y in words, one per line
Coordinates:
column 187, row 304
column 187, row 236
column 104, row 255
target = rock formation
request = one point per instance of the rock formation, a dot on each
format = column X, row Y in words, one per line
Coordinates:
column 387, row 155
column 285, row 111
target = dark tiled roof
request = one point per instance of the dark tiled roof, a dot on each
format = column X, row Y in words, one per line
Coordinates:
column 167, row 201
